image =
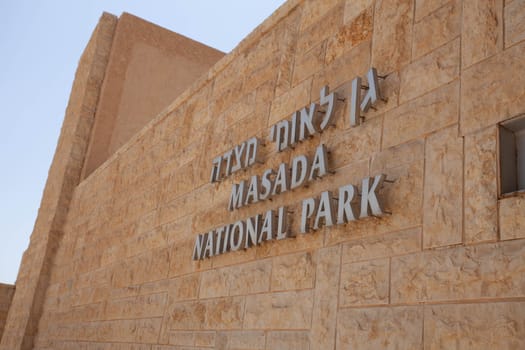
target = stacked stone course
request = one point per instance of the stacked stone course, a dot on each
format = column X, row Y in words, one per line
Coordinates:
column 445, row 270
column 6, row 296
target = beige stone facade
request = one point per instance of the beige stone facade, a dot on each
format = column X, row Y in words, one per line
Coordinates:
column 6, row 295
column 110, row 263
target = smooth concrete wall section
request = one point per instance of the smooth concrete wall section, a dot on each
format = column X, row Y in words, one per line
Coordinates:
column 444, row 270
column 149, row 67
column 6, row 296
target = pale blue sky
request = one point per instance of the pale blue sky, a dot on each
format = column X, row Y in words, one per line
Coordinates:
column 40, row 44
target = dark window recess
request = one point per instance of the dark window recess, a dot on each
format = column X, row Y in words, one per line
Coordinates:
column 512, row 155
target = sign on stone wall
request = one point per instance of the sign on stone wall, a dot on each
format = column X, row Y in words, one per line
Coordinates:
column 328, row 208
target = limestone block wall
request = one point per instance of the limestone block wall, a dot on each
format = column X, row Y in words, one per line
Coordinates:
column 446, row 269
column 6, row 296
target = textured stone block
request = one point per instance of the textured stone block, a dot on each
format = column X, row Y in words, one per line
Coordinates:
column 443, row 198
column 238, row 280
column 437, row 28
column 322, row 334
column 421, row 116
column 176, row 209
column 154, row 287
column 288, row 50
column 137, row 307
column 186, row 315
column 157, row 267
column 325, row 26
column 259, row 77
column 514, row 24
column 288, row 340
column 250, row 126
column 146, row 224
column 181, row 338
column 283, row 106
column 249, row 340
column 390, row 92
column 228, row 77
column 251, row 278
column 390, row 244
column 392, row 38
column 481, row 186
column 511, row 219
column 215, row 283
column 224, row 313
column 460, row 273
column 206, row 339
column 309, row 63
column 380, row 328
column 183, row 288
column 295, row 271
column 264, row 96
column 209, row 218
column 355, row 144
column 364, row 283
column 145, row 242
column 403, row 165
column 354, row 32
column 6, row 293
column 482, row 34
column 226, row 96
column 430, row 71
column 289, row 310
column 493, row 90
column 352, row 63
column 355, row 8
column 148, row 330
column 315, row 10
column 160, row 347
column 181, row 181
column 475, row 326
column 297, row 244
column 424, row 7
column 234, row 258
column 118, row 330
column 180, row 254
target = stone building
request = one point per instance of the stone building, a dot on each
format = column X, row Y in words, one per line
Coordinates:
column 349, row 177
